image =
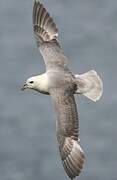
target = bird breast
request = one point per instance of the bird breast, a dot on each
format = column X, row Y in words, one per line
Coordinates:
column 59, row 79
column 42, row 85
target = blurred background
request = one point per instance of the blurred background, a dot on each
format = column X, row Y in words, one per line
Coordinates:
column 28, row 146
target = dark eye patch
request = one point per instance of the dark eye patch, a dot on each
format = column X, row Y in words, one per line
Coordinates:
column 31, row 82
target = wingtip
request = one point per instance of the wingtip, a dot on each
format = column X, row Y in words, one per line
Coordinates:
column 43, row 24
column 74, row 158
column 37, row 1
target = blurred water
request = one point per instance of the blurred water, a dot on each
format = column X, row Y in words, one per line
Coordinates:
column 28, row 148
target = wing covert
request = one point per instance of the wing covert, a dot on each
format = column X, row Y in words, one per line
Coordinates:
column 46, row 34
column 72, row 155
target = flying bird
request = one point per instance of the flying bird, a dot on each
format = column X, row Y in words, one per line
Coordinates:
column 59, row 82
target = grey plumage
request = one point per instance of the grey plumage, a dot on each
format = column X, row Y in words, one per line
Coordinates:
column 68, row 131
column 43, row 25
column 46, row 34
column 62, row 95
column 61, row 85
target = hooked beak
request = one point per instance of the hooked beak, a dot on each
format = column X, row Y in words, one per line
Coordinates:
column 24, row 87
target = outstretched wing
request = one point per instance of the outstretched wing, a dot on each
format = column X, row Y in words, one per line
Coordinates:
column 44, row 27
column 71, row 153
column 46, row 34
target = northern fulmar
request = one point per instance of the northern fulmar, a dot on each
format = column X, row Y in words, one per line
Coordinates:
column 59, row 82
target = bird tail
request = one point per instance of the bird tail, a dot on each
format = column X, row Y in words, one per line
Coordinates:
column 90, row 85
column 72, row 157
column 44, row 27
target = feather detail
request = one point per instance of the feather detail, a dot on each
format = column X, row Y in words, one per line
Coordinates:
column 72, row 157
column 43, row 25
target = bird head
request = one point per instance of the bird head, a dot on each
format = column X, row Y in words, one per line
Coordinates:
column 38, row 83
column 31, row 83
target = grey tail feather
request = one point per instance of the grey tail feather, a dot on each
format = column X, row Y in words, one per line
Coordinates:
column 90, row 85
column 43, row 25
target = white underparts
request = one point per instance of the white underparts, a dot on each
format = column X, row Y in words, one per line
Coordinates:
column 43, row 82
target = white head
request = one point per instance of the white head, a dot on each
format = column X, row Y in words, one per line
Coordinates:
column 31, row 83
column 38, row 83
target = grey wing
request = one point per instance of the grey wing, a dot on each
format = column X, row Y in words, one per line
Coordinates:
column 46, row 34
column 71, row 153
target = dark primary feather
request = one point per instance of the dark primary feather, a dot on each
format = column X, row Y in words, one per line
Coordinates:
column 67, row 131
column 43, row 25
column 46, row 33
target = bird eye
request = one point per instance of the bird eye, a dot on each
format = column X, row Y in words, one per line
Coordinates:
column 31, row 82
